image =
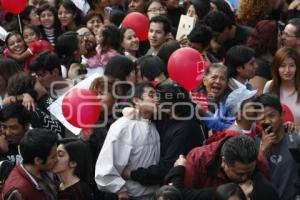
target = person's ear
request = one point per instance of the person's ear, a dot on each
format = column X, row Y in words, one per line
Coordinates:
column 37, row 161
column 239, row 68
column 73, row 164
column 26, row 127
column 135, row 101
column 205, row 80
column 223, row 162
column 55, row 72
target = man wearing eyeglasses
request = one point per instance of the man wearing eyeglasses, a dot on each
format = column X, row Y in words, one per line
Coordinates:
column 290, row 36
column 90, row 58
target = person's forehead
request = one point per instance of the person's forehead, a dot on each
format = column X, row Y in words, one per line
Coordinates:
column 238, row 166
column 156, row 25
column 270, row 110
column 83, row 30
column 11, row 121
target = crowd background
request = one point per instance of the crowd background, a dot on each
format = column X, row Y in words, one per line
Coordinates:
column 235, row 135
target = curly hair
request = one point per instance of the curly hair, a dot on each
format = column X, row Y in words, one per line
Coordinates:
column 264, row 37
column 251, row 10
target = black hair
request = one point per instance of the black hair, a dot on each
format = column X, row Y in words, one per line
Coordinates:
column 46, row 61
column 70, row 6
column 21, row 83
column 78, row 152
column 10, row 34
column 92, row 14
column 202, row 7
column 270, row 100
column 8, row 67
column 295, row 22
column 119, row 67
column 175, row 93
column 165, row 51
column 65, row 46
column 164, row 20
column 139, row 89
column 111, row 37
column 56, row 25
column 218, row 21
column 116, row 17
column 168, row 192
column 150, row 66
column 239, row 149
column 225, row 8
column 200, row 34
column 25, row 14
column 148, row 4
column 225, row 191
column 35, row 29
column 16, row 111
column 37, row 143
column 237, row 56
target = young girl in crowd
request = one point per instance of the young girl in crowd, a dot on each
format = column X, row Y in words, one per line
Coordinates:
column 286, row 79
column 25, row 50
column 93, row 21
column 33, row 39
column 29, row 16
column 130, row 43
column 155, row 8
column 50, row 25
column 73, row 167
column 69, row 15
column 108, row 39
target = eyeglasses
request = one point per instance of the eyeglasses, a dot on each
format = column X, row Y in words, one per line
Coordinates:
column 160, row 10
column 285, row 34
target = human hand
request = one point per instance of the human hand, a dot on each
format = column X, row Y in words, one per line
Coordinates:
column 123, row 196
column 28, row 102
column 181, row 161
column 267, row 140
column 126, row 173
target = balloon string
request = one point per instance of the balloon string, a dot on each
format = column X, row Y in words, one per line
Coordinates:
column 20, row 26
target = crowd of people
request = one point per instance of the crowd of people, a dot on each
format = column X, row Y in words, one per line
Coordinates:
column 235, row 136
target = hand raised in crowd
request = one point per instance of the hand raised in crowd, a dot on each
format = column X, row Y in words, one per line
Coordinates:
column 126, row 173
column 183, row 41
column 268, row 138
column 123, row 195
column 181, row 161
column 294, row 5
column 290, row 127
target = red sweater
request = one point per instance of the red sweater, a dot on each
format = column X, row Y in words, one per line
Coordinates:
column 203, row 168
column 21, row 181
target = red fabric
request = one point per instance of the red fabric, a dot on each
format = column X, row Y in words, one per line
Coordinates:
column 38, row 47
column 200, row 158
column 200, row 98
column 19, row 180
column 288, row 115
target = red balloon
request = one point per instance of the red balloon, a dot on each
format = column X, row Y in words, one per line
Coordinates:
column 187, row 67
column 14, row 6
column 137, row 22
column 81, row 108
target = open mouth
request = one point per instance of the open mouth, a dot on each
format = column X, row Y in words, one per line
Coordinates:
column 216, row 89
